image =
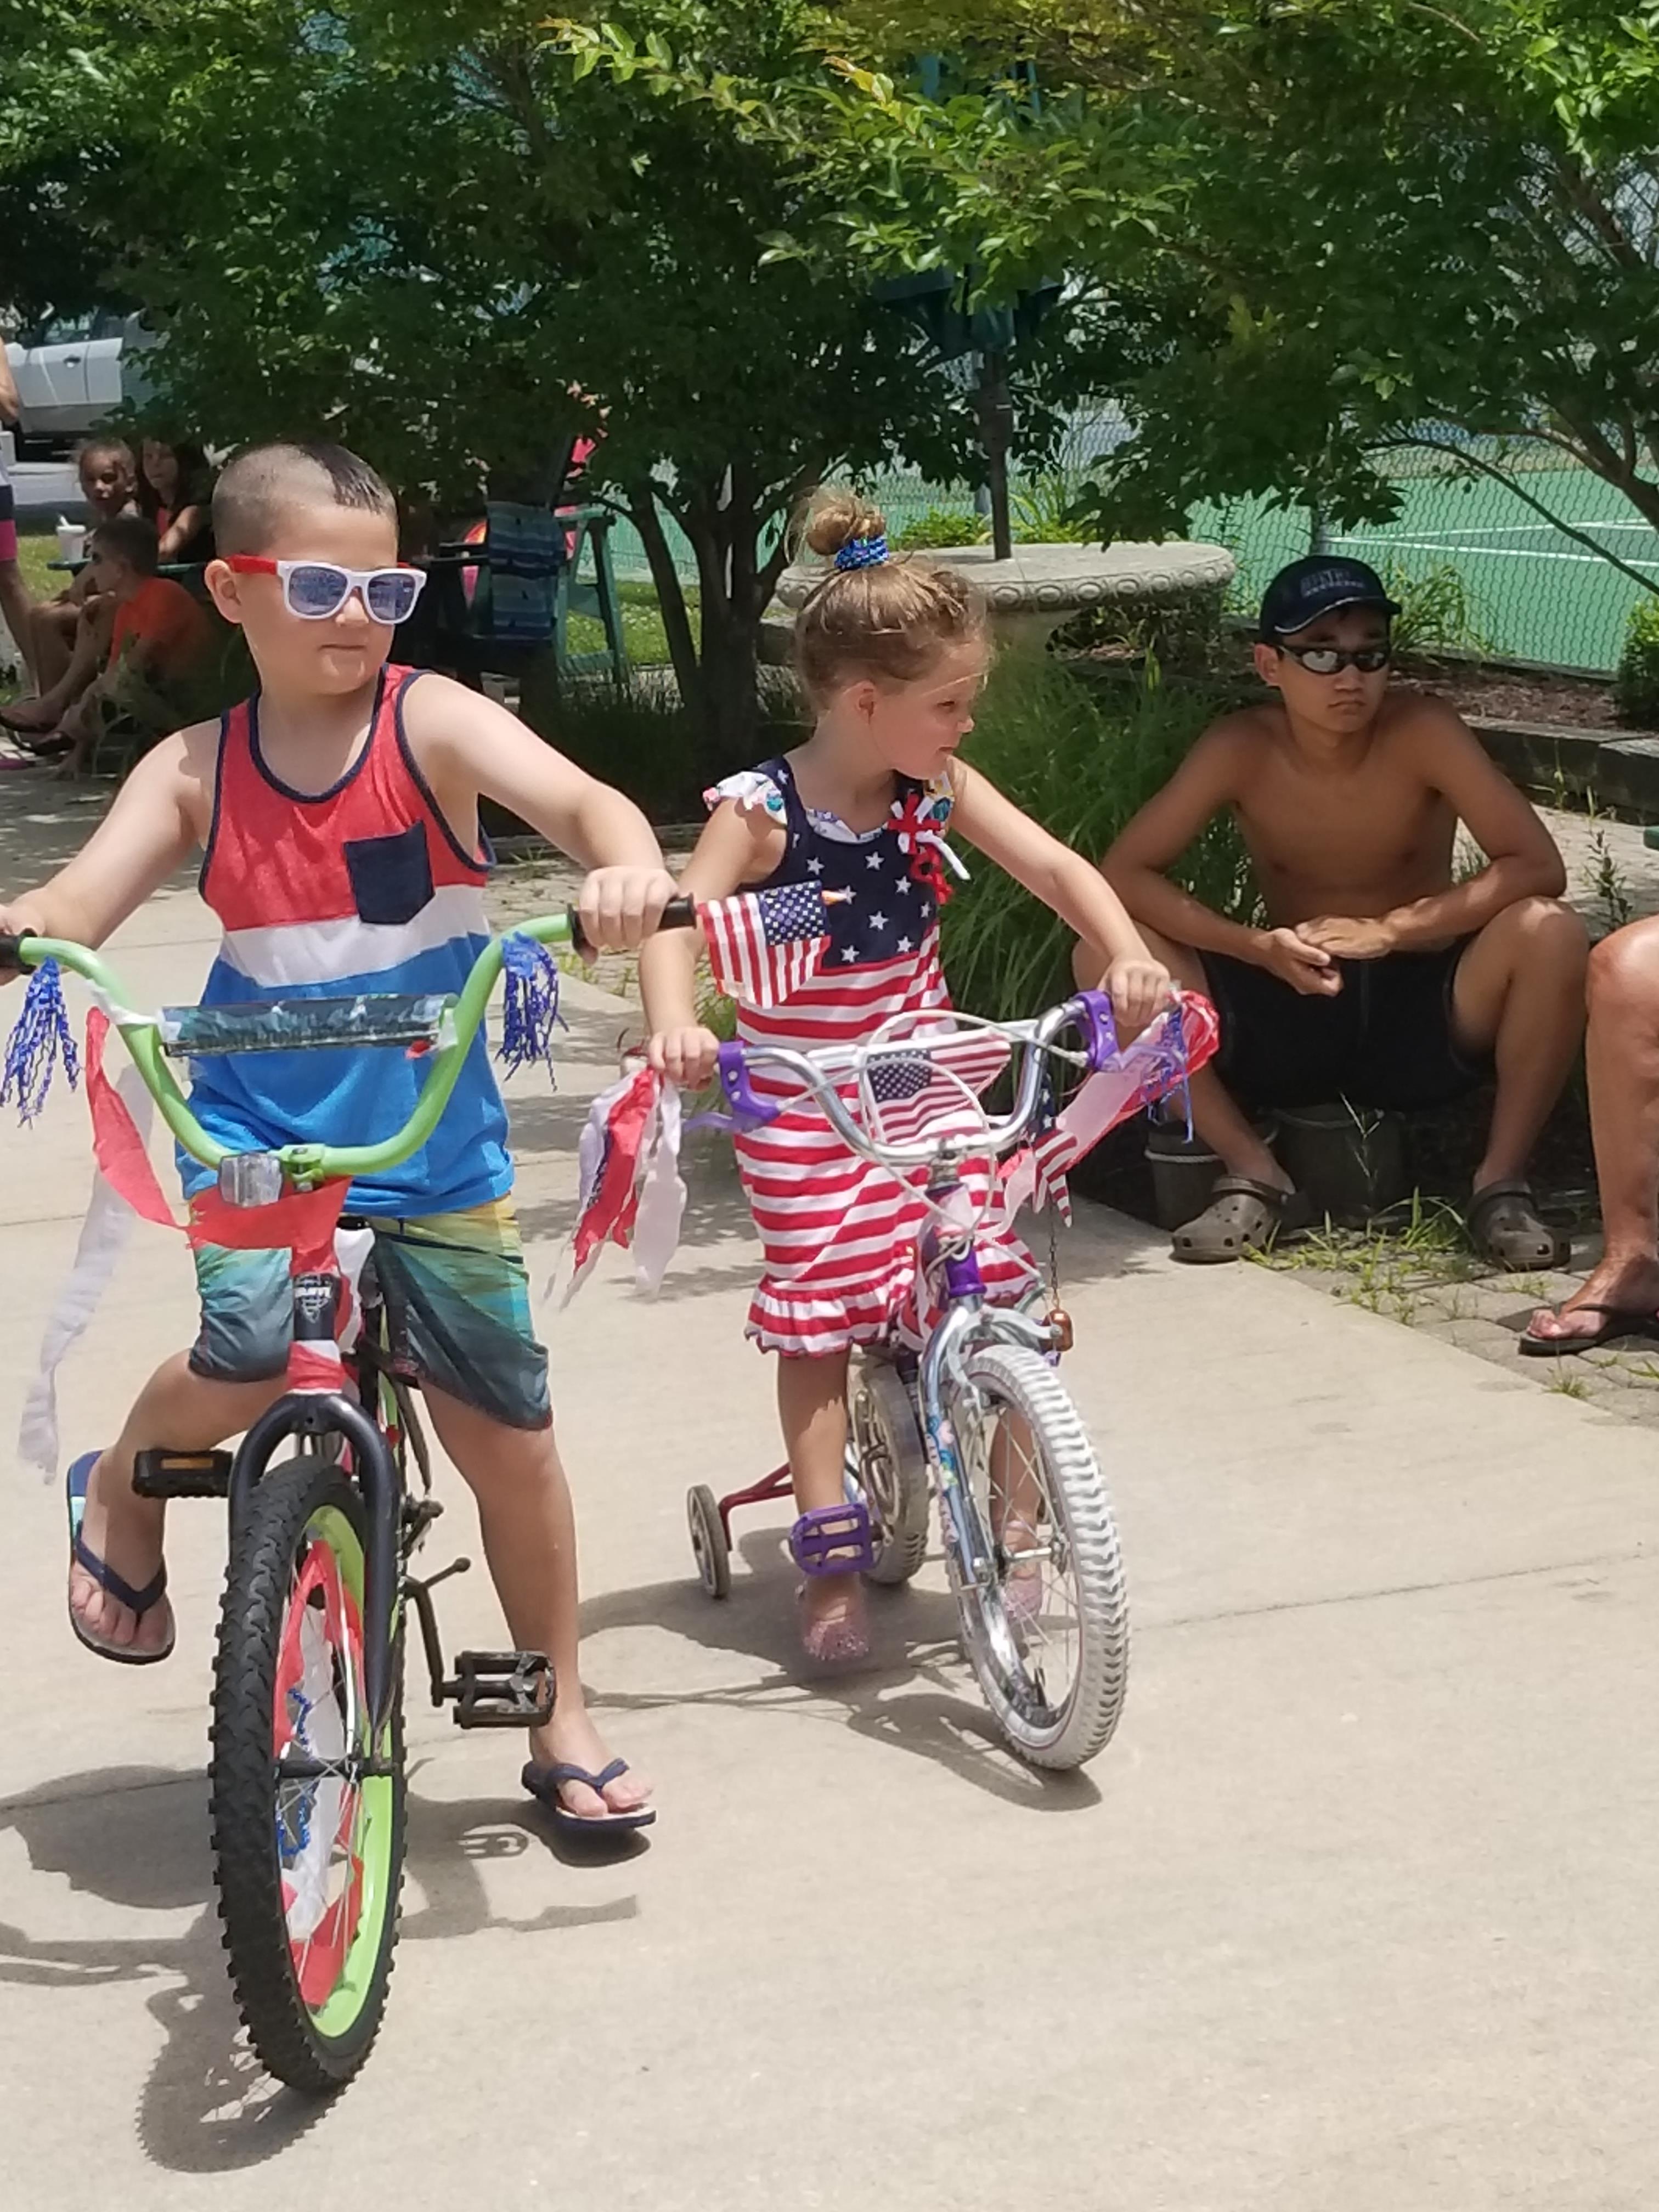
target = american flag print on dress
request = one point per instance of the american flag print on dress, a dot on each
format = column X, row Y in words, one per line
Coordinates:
column 839, row 1233
column 763, row 946
column 922, row 1090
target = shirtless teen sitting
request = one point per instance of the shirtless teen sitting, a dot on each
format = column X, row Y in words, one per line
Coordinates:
column 1376, row 978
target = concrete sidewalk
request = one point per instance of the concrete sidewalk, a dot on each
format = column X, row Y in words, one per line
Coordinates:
column 1357, row 1911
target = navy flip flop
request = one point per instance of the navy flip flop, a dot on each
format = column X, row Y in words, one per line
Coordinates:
column 543, row 1784
column 81, row 1555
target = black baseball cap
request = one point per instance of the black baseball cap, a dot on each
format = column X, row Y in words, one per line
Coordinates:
column 1318, row 586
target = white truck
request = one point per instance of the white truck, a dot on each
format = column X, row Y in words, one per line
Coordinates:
column 73, row 372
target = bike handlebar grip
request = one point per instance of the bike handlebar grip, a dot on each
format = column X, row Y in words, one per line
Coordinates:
column 11, row 955
column 678, row 914
column 747, row 1106
column 1098, row 1024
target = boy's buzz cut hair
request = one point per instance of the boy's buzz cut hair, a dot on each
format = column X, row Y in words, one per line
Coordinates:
column 130, row 538
column 261, row 483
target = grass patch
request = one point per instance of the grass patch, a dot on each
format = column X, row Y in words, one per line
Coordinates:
column 1416, row 1253
column 1569, row 1385
column 643, row 633
column 37, row 545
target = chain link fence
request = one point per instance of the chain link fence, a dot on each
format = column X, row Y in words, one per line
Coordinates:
column 1510, row 582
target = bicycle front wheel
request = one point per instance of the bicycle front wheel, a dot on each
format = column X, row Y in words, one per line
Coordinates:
column 1045, row 1619
column 309, row 1862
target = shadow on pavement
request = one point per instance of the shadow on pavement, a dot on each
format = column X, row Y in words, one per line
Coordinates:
column 906, row 1695
column 138, row 1838
column 42, row 826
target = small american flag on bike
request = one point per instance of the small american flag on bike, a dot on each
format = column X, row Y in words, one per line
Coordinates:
column 1052, row 1155
column 763, row 946
column 934, row 1092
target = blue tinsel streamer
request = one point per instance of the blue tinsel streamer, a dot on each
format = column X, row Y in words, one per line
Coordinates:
column 39, row 1039
column 532, row 1011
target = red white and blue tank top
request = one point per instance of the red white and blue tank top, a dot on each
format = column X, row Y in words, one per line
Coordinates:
column 362, row 888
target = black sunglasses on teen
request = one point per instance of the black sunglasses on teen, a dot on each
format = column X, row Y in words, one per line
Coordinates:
column 1328, row 660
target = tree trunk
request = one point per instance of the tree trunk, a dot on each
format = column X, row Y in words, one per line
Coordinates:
column 643, row 514
column 721, row 526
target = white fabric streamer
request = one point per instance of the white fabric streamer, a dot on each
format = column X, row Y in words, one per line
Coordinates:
column 662, row 1194
column 104, row 1235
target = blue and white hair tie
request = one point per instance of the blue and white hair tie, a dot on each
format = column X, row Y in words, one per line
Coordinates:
column 862, row 553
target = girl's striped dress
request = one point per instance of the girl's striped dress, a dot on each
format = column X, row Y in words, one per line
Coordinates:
column 839, row 1233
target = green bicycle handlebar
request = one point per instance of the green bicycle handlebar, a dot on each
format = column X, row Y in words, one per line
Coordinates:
column 305, row 1166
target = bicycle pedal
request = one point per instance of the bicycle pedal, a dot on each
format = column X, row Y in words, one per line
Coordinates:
column 502, row 1689
column 182, row 1474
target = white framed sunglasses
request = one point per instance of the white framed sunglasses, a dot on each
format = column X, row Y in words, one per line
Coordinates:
column 316, row 590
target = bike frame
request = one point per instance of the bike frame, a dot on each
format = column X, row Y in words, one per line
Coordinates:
column 316, row 1402
column 966, row 1318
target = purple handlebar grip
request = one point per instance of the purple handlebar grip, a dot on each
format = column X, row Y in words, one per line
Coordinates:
column 748, row 1108
column 1094, row 1018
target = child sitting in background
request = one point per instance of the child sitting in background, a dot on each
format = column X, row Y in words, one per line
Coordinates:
column 138, row 638
column 108, row 478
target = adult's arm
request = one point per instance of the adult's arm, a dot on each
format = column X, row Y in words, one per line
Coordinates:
column 184, row 528
column 11, row 404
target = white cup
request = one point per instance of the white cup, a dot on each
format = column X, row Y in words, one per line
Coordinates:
column 71, row 539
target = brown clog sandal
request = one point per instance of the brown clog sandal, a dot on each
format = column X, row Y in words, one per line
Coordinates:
column 1505, row 1228
column 1243, row 1215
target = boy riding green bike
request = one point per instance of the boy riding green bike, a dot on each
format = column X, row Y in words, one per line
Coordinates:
column 338, row 815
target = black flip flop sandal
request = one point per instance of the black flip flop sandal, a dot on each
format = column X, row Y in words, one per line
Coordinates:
column 1616, row 1321
column 543, row 1784
column 138, row 1601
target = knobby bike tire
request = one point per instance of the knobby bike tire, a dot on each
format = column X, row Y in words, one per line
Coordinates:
column 1012, row 1376
column 296, row 1504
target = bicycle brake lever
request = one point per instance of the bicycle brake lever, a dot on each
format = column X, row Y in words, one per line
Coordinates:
column 748, row 1110
column 1092, row 1011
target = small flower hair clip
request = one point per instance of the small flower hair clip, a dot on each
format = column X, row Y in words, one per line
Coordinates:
column 862, row 553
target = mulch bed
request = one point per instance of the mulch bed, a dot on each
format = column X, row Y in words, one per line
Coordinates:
column 1506, row 695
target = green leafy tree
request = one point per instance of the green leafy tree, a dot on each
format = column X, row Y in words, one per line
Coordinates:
column 455, row 234
column 1301, row 232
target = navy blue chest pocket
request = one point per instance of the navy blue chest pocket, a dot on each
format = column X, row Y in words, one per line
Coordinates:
column 391, row 877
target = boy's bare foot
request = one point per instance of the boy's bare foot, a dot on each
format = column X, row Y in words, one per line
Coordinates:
column 1616, row 1287
column 832, row 1626
column 124, row 1531
column 571, row 1739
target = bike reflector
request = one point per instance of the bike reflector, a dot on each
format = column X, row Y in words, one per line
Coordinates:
column 416, row 1023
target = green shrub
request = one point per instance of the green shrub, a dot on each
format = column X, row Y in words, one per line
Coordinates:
column 941, row 527
column 1437, row 611
column 1080, row 757
column 1636, row 683
column 1045, row 512
column 642, row 740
